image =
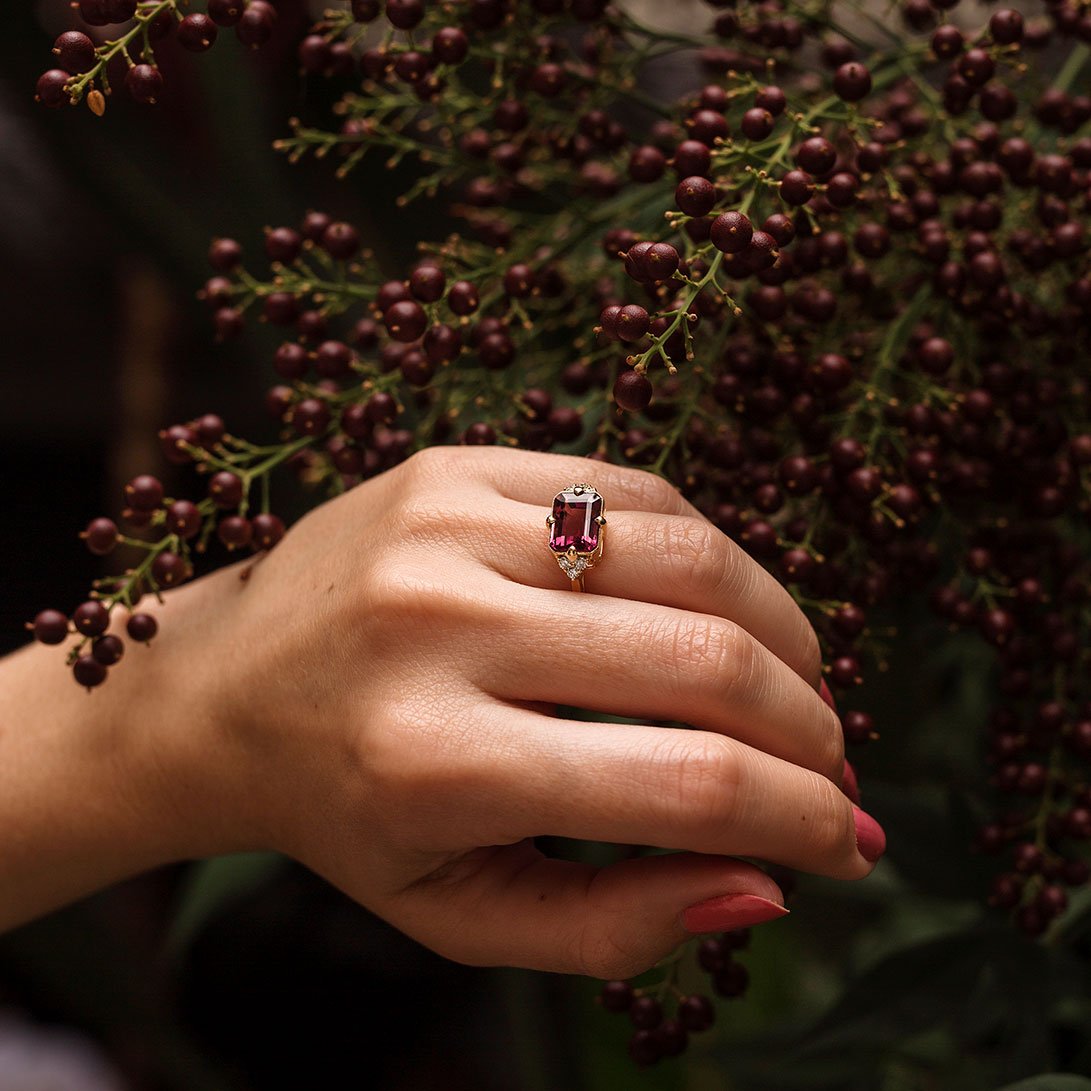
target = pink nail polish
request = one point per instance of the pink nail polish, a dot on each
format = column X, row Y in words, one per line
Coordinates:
column 727, row 912
column 870, row 839
column 826, row 695
column 849, row 783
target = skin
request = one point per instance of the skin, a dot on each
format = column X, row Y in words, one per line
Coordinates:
column 376, row 699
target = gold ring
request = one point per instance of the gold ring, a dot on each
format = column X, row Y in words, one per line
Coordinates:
column 577, row 529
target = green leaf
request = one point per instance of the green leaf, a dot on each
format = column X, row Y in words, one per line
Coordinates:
column 213, row 883
column 918, row 987
column 1050, row 1081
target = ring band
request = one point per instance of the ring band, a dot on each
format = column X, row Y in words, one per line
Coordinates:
column 577, row 530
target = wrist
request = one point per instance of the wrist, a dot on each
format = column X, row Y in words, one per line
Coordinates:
column 79, row 804
column 96, row 787
column 191, row 767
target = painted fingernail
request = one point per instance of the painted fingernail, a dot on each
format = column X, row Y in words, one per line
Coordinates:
column 727, row 912
column 849, row 784
column 824, row 693
column 870, row 839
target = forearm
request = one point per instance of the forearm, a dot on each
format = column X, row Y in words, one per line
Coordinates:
column 142, row 771
column 76, row 793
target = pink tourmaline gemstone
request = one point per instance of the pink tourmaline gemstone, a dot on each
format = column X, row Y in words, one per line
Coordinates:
column 575, row 525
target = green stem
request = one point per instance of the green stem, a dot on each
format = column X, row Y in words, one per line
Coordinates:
column 1072, row 67
column 78, row 85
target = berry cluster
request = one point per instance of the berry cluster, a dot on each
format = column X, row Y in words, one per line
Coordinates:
column 839, row 293
column 83, row 67
column 97, row 649
column 173, row 529
column 658, row 1036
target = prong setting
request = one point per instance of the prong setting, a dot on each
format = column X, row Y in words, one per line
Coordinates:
column 576, row 530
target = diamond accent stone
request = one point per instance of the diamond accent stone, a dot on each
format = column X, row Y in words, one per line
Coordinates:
column 573, row 569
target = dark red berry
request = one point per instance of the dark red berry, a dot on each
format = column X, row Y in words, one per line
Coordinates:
column 341, row 241
column 1006, row 26
column 88, row 672
column 50, row 90
column 463, row 298
column 101, row 536
column 168, row 569
column 364, row 11
column 796, row 187
column 141, row 628
column 283, row 244
column 50, row 627
column 616, row 996
column 450, row 45
column 197, row 32
column 632, row 323
column 731, row 980
column 632, row 391
column 816, row 155
column 695, row 196
column 226, row 489
column 772, row 99
column 405, row 321
column 405, row 14
column 224, row 254
column 91, row 618
column 93, row 12
column 731, row 232
column 696, row 1013
column 852, row 81
column 144, row 82
column 235, row 531
column 646, row 1012
column 107, row 649
column 184, row 519
column 144, row 493
column 255, row 25
column 757, row 123
column 75, row 52
column 947, row 41
column 333, row 360
column 645, row 1048
column 267, row 530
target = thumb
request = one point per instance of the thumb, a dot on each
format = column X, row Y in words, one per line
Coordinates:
column 516, row 907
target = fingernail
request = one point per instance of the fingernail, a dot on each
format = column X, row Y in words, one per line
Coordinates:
column 870, row 839
column 727, row 912
column 849, row 783
column 824, row 693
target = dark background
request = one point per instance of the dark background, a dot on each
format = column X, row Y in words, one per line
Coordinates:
column 250, row 973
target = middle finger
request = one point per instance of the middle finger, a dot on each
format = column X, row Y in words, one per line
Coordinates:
column 651, row 661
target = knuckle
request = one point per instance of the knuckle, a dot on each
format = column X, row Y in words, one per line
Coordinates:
column 426, row 462
column 831, row 829
column 694, row 554
column 609, row 956
column 831, row 747
column 655, row 493
column 724, row 658
column 707, row 777
column 418, row 517
column 400, row 592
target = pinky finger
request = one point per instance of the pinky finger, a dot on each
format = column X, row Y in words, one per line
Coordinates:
column 515, row 907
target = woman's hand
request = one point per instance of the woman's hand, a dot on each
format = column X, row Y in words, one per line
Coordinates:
column 376, row 698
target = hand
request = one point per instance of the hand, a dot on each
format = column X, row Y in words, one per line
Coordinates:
column 377, row 700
